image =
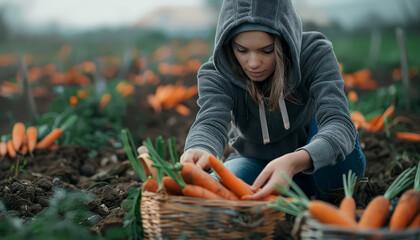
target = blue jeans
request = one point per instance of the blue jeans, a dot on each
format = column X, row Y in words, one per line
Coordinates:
column 317, row 184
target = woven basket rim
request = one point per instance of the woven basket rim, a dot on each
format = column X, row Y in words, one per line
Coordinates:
column 222, row 202
column 305, row 219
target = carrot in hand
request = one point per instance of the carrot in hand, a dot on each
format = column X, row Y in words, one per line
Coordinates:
column 197, row 176
column 377, row 210
column 31, row 136
column 407, row 207
column 11, row 149
column 228, row 178
column 347, row 204
column 18, row 134
column 50, row 138
column 200, row 192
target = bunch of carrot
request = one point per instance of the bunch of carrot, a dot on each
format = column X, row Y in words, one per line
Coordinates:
column 24, row 140
column 378, row 123
column 405, row 216
column 185, row 179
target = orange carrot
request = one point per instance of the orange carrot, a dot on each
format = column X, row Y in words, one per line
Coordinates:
column 415, row 223
column 197, row 176
column 18, row 133
column 24, row 149
column 53, row 147
column 380, row 122
column 50, row 138
column 150, row 185
column 3, row 149
column 200, row 192
column 228, row 178
column 329, row 214
column 73, row 101
column 182, row 109
column 171, row 186
column 377, row 209
column 414, row 137
column 11, row 149
column 407, row 207
column 104, row 100
column 348, row 204
column 31, row 135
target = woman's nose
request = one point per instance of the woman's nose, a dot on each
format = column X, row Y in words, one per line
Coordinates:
column 254, row 61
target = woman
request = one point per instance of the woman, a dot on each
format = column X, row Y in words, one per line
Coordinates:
column 275, row 94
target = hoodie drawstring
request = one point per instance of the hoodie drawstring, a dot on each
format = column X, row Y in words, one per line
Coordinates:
column 284, row 115
column 263, row 120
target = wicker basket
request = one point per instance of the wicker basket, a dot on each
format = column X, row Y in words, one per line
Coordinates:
column 180, row 217
column 306, row 227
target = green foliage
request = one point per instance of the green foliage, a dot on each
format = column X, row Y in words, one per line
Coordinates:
column 15, row 170
column 90, row 126
column 132, row 219
column 65, row 218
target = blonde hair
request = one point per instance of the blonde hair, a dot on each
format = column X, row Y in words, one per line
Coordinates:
column 276, row 86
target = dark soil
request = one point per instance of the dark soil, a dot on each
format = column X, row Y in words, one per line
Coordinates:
column 26, row 193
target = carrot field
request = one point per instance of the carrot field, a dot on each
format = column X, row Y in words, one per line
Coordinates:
column 74, row 112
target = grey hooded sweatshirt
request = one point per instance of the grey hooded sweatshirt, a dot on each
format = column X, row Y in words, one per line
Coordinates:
column 228, row 115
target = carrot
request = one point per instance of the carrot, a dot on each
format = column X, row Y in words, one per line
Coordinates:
column 150, row 185
column 380, row 122
column 73, row 101
column 3, row 149
column 24, row 149
column 228, row 178
column 377, row 209
column 11, row 149
column 50, row 138
column 197, row 176
column 104, row 100
column 200, row 192
column 171, row 186
column 18, row 133
column 329, row 214
column 414, row 137
column 322, row 211
column 31, row 135
column 407, row 207
column 348, row 204
column 415, row 223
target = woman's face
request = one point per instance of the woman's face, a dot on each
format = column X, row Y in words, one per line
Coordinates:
column 254, row 51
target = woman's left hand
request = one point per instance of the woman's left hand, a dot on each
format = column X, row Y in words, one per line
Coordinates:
column 290, row 164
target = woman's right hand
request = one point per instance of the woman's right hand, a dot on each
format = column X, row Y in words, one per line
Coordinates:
column 197, row 156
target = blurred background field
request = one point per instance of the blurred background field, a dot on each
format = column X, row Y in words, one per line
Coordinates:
column 49, row 50
column 94, row 68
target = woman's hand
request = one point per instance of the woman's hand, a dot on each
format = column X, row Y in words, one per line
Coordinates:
column 197, row 156
column 290, row 164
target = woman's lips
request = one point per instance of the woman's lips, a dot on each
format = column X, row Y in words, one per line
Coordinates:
column 255, row 74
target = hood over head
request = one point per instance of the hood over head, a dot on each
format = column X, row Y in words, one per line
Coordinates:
column 272, row 16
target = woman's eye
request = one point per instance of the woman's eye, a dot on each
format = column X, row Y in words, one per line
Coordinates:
column 241, row 50
column 268, row 51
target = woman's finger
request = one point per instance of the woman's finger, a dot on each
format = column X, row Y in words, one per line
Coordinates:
column 262, row 178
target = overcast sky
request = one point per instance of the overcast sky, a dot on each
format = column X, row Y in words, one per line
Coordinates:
column 84, row 13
